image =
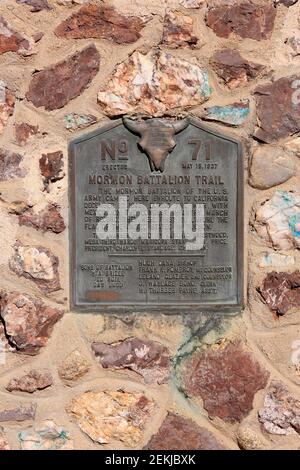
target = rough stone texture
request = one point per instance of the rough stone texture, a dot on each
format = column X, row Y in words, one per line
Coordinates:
column 23, row 132
column 36, row 5
column 75, row 366
column 278, row 220
column 179, row 433
column 148, row 358
column 281, row 411
column 56, row 85
column 178, row 30
column 46, row 219
column 226, row 378
column 234, row 114
column 37, row 264
column 13, row 41
column 51, row 166
column 191, row 3
column 108, row 415
column 276, row 260
column 278, row 110
column 46, row 436
column 10, row 165
column 250, row 439
column 3, row 441
column 270, row 166
column 281, row 291
column 34, row 380
column 287, row 3
column 233, row 69
column 94, row 21
column 20, row 413
column 74, row 121
column 7, row 104
column 154, row 84
column 28, row 321
column 254, row 20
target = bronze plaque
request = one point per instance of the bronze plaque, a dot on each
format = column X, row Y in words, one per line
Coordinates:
column 156, row 218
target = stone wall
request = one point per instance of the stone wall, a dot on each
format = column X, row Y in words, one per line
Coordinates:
column 83, row 381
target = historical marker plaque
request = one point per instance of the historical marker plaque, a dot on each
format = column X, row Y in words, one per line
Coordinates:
column 156, row 218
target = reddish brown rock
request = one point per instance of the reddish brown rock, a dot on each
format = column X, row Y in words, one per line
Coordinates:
column 20, row 413
column 226, row 378
column 281, row 291
column 28, row 321
column 51, row 166
column 281, row 411
column 56, row 85
column 7, row 104
column 93, row 21
column 3, row 441
column 47, row 219
column 246, row 20
column 148, row 358
column 10, row 165
column 12, row 41
column 37, row 264
column 23, row 132
column 34, row 380
column 233, row 69
column 278, row 110
column 178, row 433
column 178, row 30
column 36, row 5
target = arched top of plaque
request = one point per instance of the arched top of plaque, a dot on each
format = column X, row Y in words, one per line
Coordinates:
column 156, row 218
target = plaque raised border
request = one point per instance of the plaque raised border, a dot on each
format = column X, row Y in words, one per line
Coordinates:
column 164, row 308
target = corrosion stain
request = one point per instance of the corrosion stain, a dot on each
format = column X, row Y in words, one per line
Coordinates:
column 105, row 295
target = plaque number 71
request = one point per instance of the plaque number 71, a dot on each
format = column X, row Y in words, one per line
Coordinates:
column 197, row 147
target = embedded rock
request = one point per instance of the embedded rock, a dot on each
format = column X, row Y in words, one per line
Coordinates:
column 3, row 441
column 75, row 121
column 270, row 166
column 112, row 415
column 28, row 321
column 250, row 439
column 12, row 41
column 20, row 413
column 244, row 19
column 34, row 380
column 281, row 291
column 281, row 411
column 56, row 85
column 178, row 433
column 226, row 378
column 7, row 104
column 278, row 110
column 10, row 165
column 233, row 69
column 51, row 166
column 148, row 358
column 234, row 114
column 74, row 366
column 36, row 5
column 287, row 3
column 23, row 132
column 278, row 220
column 94, row 21
column 276, row 259
column 191, row 3
column 46, row 436
column 154, row 84
column 178, row 30
column 47, row 219
column 37, row 264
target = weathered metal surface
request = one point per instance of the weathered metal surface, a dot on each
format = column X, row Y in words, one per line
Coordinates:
column 138, row 266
